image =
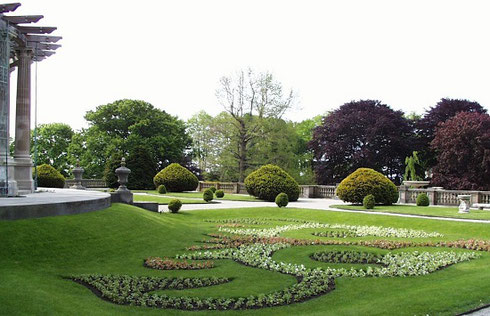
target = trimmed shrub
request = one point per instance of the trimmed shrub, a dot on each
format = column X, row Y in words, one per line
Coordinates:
column 422, row 200
column 176, row 178
column 282, row 200
column 369, row 201
column 270, row 180
column 219, row 193
column 174, row 205
column 208, row 195
column 365, row 181
column 49, row 177
column 213, row 189
column 162, row 189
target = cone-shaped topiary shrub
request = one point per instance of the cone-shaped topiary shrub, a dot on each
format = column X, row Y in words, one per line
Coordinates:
column 49, row 177
column 422, row 200
column 162, row 189
column 208, row 195
column 219, row 193
column 365, row 181
column 174, row 205
column 176, row 178
column 270, row 180
column 369, row 201
column 282, row 200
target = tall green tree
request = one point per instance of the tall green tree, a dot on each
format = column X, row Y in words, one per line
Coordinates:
column 249, row 98
column 124, row 125
column 52, row 145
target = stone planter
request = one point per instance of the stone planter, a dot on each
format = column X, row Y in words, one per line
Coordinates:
column 416, row 184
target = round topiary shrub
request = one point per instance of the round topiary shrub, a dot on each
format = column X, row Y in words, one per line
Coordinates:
column 174, row 205
column 213, row 189
column 208, row 195
column 176, row 178
column 422, row 200
column 282, row 200
column 161, row 189
column 270, row 180
column 365, row 181
column 219, row 193
column 369, row 201
column 49, row 177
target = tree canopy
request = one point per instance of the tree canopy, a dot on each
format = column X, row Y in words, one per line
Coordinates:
column 126, row 127
column 53, row 141
column 359, row 134
column 462, row 145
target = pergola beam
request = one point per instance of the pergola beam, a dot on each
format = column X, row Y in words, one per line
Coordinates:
column 8, row 7
column 36, row 29
column 44, row 46
column 41, row 38
column 23, row 19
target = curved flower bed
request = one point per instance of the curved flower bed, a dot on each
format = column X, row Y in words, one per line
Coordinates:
column 255, row 247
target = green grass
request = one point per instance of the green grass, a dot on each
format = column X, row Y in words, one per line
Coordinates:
column 198, row 195
column 451, row 212
column 36, row 255
column 164, row 199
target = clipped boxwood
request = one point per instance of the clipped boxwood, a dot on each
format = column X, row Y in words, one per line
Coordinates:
column 365, row 181
column 369, row 201
column 270, row 180
column 422, row 200
column 208, row 195
column 219, row 193
column 176, row 178
column 213, row 189
column 282, row 200
column 49, row 177
column 174, row 205
column 161, row 189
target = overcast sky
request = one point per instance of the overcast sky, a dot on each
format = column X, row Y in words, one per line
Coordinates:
column 408, row 54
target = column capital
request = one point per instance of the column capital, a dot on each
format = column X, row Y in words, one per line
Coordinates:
column 24, row 52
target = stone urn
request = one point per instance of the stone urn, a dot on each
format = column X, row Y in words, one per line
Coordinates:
column 122, row 194
column 77, row 173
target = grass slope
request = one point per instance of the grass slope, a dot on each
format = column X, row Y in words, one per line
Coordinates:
column 164, row 200
column 451, row 212
column 36, row 255
column 198, row 195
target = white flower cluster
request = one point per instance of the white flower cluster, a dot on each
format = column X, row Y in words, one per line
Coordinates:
column 401, row 264
column 360, row 231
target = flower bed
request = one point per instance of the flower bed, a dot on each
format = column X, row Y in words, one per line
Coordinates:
column 172, row 264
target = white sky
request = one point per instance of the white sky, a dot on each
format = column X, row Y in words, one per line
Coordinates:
column 408, row 54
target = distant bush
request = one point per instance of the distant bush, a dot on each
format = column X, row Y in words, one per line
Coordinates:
column 422, row 200
column 282, row 200
column 219, row 193
column 176, row 178
column 161, row 189
column 369, row 201
column 174, row 205
column 213, row 189
column 270, row 180
column 49, row 177
column 208, row 195
column 365, row 181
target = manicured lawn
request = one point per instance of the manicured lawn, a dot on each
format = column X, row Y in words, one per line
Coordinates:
column 37, row 254
column 198, row 195
column 421, row 210
column 164, row 199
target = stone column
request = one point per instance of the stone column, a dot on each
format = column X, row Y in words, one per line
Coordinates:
column 22, row 155
column 4, row 139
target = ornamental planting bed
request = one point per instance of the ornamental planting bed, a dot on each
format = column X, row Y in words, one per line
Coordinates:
column 254, row 247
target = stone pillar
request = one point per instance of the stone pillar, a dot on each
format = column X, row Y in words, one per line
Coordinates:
column 4, row 139
column 403, row 194
column 22, row 155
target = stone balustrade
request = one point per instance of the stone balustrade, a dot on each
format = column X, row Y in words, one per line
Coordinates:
column 87, row 183
column 439, row 196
